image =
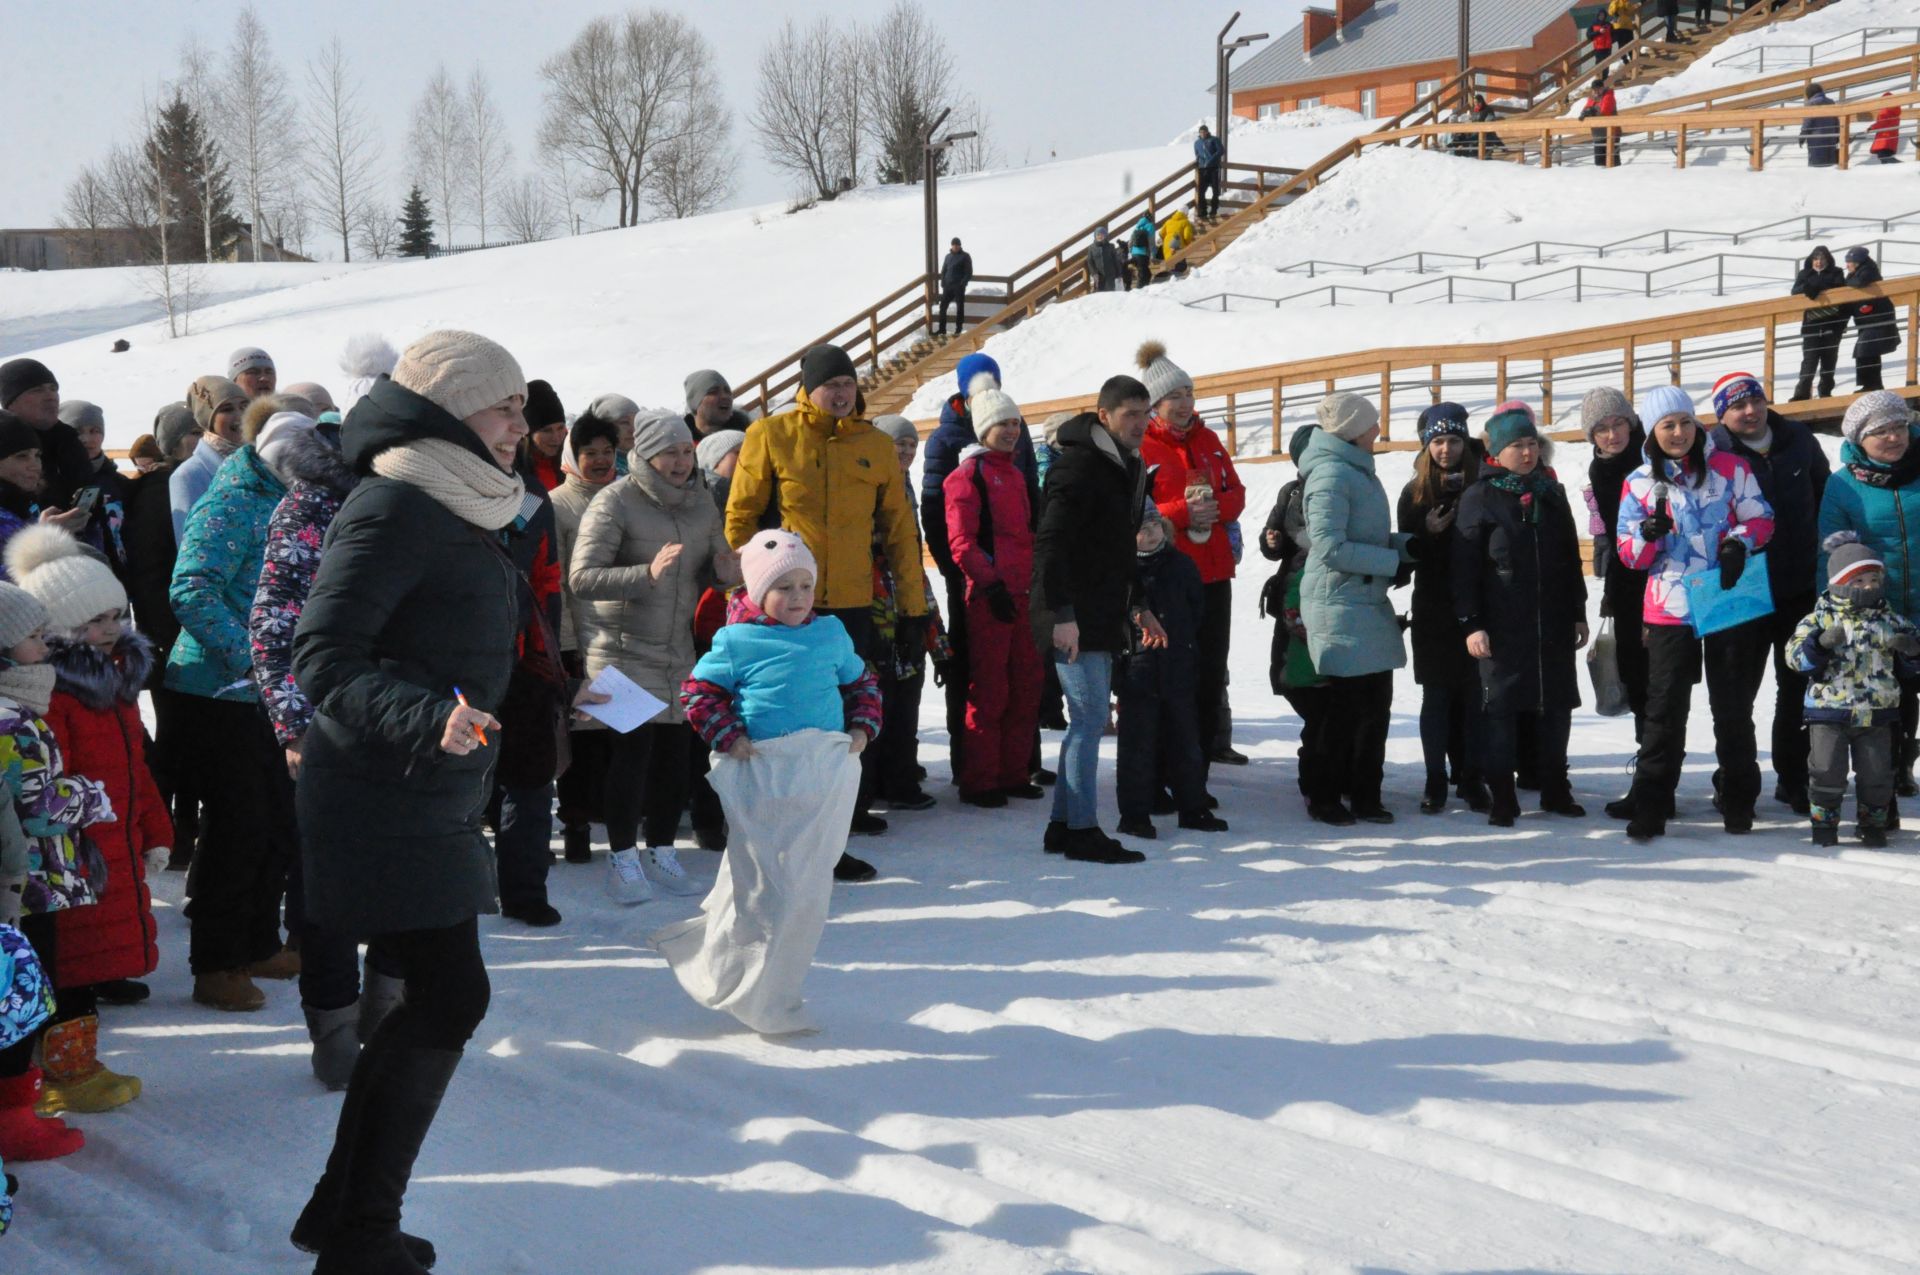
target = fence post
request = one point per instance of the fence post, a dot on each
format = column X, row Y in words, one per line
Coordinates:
column 1273, row 440
column 1773, row 332
column 1673, row 363
column 1913, row 353
column 1720, row 275
column 1546, row 389
column 1233, row 427
column 1579, row 284
column 1755, row 158
column 1449, row 289
column 1500, row 379
column 1626, row 369
column 1682, row 154
column 1434, row 384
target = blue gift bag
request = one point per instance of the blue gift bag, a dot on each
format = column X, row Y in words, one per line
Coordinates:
column 1711, row 609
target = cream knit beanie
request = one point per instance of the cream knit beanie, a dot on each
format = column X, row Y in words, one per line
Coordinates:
column 72, row 584
column 459, row 372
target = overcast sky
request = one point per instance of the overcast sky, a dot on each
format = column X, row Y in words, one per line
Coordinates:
column 1064, row 77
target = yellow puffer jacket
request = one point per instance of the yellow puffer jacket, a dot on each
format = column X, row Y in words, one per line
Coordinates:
column 834, row 482
column 1175, row 234
column 1624, row 13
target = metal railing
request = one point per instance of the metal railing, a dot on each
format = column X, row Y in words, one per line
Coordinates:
column 1794, row 55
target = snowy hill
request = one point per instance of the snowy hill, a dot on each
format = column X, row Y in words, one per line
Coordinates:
column 628, row 310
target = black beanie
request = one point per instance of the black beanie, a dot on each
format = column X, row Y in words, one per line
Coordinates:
column 822, row 363
column 590, row 429
column 16, row 435
column 20, row 375
column 543, row 406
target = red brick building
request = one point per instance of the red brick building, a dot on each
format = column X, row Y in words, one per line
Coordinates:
column 1379, row 57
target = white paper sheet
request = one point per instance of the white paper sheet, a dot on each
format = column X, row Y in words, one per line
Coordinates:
column 632, row 704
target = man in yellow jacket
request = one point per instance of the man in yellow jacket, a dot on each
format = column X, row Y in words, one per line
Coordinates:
column 836, row 483
column 1175, row 233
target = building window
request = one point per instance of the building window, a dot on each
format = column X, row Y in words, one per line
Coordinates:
column 1306, row 103
column 1424, row 89
column 1268, row 110
column 1369, row 102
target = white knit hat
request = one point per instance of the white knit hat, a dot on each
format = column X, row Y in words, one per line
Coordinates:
column 989, row 408
column 1346, row 416
column 768, row 556
column 63, row 574
column 1160, row 374
column 459, row 372
column 1874, row 410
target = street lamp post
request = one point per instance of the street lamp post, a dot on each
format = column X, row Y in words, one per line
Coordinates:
column 930, row 177
column 1223, row 51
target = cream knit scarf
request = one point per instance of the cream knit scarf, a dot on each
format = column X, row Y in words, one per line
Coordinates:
column 475, row 490
column 30, row 684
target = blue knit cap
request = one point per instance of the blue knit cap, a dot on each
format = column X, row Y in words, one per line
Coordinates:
column 1443, row 420
column 1662, row 400
column 1511, row 422
column 975, row 363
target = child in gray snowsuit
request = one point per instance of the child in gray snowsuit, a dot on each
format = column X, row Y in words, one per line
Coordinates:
column 1853, row 648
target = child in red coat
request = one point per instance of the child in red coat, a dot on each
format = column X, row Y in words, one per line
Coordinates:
column 990, row 530
column 100, row 668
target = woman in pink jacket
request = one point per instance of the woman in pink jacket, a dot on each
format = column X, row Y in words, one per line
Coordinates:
column 990, row 530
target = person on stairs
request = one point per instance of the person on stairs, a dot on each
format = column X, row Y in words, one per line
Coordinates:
column 100, row 668
column 1821, row 327
column 1209, row 152
column 956, row 272
column 1876, row 326
column 1520, row 599
column 1854, row 651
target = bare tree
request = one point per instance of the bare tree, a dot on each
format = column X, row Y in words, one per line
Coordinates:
column 438, row 144
column 798, row 113
column 488, row 152
column 563, row 186
column 129, row 189
column 258, row 120
column 527, row 209
column 375, row 229
column 341, row 149
column 690, row 179
column 907, row 83
column 624, row 91
column 86, row 209
column 199, row 85
column 855, row 67
column 974, row 154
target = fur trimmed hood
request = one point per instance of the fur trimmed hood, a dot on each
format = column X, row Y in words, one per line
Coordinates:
column 312, row 460
column 101, row 681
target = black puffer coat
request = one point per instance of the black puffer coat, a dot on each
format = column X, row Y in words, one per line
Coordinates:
column 1518, row 577
column 410, row 602
column 1624, row 588
column 1439, row 643
column 151, row 551
column 1874, row 321
column 1084, row 561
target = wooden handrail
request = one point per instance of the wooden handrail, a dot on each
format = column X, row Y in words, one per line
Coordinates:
column 1432, row 363
column 1770, row 117
column 1833, row 74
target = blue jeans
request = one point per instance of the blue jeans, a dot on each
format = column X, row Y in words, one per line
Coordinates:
column 1085, row 683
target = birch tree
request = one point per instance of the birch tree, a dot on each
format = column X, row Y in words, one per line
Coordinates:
column 487, row 150
column 258, row 121
column 437, row 144
column 341, row 150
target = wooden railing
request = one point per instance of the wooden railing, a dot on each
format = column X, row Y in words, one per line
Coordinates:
column 1695, row 347
column 1789, row 87
column 895, row 322
column 1547, row 136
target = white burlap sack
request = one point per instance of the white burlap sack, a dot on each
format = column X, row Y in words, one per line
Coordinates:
column 787, row 812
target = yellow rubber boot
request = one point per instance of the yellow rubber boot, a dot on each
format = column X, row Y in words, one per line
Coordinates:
column 73, row 1077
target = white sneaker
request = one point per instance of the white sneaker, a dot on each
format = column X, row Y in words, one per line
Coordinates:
column 663, row 868
column 625, row 881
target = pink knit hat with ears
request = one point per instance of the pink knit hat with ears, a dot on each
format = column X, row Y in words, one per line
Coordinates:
column 768, row 556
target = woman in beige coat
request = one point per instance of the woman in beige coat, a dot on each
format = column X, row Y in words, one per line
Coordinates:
column 647, row 547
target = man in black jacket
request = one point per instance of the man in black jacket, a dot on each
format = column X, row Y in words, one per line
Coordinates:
column 30, row 391
column 1087, row 572
column 1792, row 470
column 1103, row 263
column 1878, row 331
column 956, row 272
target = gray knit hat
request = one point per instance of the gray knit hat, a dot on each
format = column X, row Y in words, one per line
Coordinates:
column 612, row 407
column 1160, row 374
column 717, row 446
column 898, row 428
column 1847, row 557
column 1874, row 410
column 655, row 430
column 459, row 372
column 20, row 615
column 1601, row 404
column 208, row 394
column 1346, row 416
column 702, row 383
column 79, row 413
column 171, row 424
column 250, row 358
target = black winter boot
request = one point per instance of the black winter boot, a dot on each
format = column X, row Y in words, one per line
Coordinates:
column 1903, row 783
column 1826, row 825
column 1506, row 801
column 578, row 843
column 1649, row 814
column 1474, row 792
column 404, row 1088
column 1802, row 390
column 1435, row 799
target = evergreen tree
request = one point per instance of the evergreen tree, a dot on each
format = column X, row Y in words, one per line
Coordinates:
column 416, row 226
column 198, row 194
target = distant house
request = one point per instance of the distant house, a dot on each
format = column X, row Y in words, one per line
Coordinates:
column 1379, row 57
column 62, row 249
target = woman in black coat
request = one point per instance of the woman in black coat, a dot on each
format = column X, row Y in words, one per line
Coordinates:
column 1448, row 464
column 1619, row 443
column 1821, row 327
column 1873, row 320
column 1521, row 602
column 414, row 606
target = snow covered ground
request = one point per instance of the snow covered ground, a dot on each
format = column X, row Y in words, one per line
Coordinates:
column 627, row 310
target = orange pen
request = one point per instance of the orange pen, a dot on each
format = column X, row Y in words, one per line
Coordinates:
column 477, row 730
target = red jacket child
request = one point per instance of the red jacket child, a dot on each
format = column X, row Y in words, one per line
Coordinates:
column 1186, row 458
column 1886, row 132
column 990, row 531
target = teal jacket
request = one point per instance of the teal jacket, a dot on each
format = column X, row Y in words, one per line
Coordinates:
column 1353, row 554
column 214, row 579
column 1886, row 517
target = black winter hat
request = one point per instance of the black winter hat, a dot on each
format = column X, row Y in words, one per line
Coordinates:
column 543, row 406
column 822, row 363
column 1855, row 256
column 590, row 429
column 16, row 436
column 20, row 375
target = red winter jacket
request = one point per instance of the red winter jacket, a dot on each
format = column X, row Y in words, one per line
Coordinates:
column 1181, row 461
column 1008, row 559
column 96, row 720
column 1886, row 132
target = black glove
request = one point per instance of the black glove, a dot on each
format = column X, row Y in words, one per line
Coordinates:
column 1655, row 526
column 941, row 669
column 1733, row 560
column 1000, row 602
column 910, row 635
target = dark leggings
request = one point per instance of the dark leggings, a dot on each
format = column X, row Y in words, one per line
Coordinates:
column 647, row 784
column 1359, row 711
column 1450, row 730
column 447, row 987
